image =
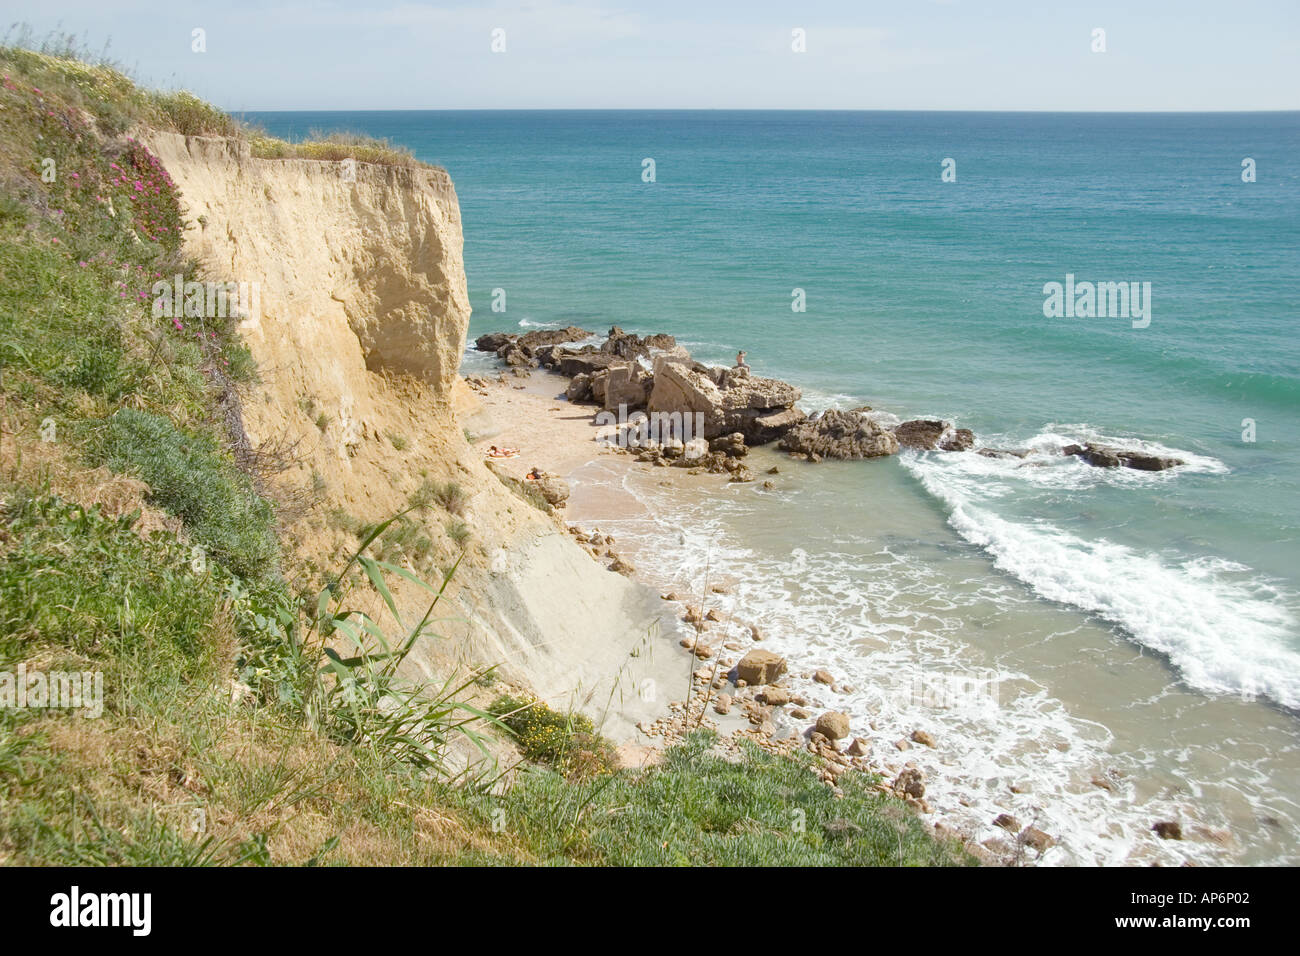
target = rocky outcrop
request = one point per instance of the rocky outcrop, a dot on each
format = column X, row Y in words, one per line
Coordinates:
column 531, row 341
column 837, row 434
column 729, row 400
column 1107, row 456
column 554, row 489
column 539, row 338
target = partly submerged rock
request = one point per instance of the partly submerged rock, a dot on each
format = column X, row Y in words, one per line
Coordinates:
column 493, row 341
column 921, row 433
column 931, row 434
column 959, row 439
column 1108, row 456
column 838, row 434
column 1169, row 830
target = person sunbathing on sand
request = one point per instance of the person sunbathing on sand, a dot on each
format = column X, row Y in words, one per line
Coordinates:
column 495, row 452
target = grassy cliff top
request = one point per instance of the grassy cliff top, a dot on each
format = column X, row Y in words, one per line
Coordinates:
column 63, row 72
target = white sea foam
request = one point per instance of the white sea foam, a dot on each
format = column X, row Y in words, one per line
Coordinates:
column 1222, row 627
column 892, row 624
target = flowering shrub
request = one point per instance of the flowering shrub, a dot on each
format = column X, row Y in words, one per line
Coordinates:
column 154, row 200
column 568, row 742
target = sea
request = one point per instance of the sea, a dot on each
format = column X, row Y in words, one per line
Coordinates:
column 1094, row 650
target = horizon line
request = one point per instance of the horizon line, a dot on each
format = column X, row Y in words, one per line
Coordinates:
column 736, row 109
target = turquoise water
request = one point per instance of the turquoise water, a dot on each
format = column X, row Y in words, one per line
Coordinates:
column 925, row 298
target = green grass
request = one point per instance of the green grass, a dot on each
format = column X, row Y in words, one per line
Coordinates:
column 92, row 586
column 188, row 475
column 700, row 809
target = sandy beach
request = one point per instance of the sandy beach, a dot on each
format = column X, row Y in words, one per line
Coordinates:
column 530, row 413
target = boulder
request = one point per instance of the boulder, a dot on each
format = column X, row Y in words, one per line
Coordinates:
column 920, row 433
column 775, row 696
column 579, row 389
column 554, row 490
column 833, row 725
column 923, row 737
column 732, row 445
column 838, row 434
column 626, row 385
column 746, row 405
column 910, row 783
column 547, row 355
column 514, row 356
column 760, row 667
column 597, row 381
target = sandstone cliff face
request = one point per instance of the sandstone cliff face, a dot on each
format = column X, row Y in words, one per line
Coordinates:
column 360, row 326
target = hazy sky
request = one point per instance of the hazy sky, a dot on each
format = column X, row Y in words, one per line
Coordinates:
column 900, row 54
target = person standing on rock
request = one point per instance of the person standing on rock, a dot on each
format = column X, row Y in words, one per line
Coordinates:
column 740, row 361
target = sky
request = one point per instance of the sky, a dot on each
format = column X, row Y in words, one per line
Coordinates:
column 677, row 54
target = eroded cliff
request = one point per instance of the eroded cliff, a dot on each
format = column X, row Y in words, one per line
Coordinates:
column 360, row 325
